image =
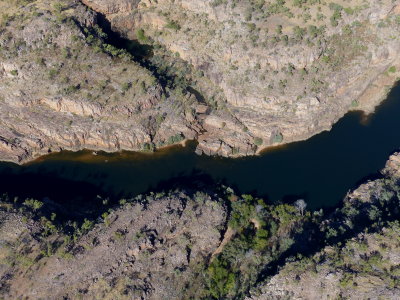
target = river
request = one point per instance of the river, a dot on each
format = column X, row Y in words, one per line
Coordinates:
column 320, row 170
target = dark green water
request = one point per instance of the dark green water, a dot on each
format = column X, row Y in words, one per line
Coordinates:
column 321, row 170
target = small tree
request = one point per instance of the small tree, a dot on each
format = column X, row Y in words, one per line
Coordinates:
column 258, row 141
column 126, row 86
column 279, row 29
column 277, row 138
column 301, row 205
column 58, row 7
column 33, row 204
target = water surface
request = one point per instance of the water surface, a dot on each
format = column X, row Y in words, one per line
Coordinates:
column 321, row 170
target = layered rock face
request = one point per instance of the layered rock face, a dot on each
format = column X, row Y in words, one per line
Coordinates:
column 244, row 75
column 63, row 87
column 286, row 69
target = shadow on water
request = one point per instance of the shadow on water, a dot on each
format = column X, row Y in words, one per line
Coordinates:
column 320, row 170
column 67, row 201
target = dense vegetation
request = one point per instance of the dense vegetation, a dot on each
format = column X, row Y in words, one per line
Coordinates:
column 266, row 237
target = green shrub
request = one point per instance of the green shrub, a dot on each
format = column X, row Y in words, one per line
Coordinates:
column 349, row 10
column 347, row 280
column 119, row 234
column 33, row 204
column 392, row 69
column 126, row 86
column 173, row 25
column 258, row 141
column 222, row 280
column 241, row 213
column 141, row 36
column 53, row 73
column 86, row 226
column 354, row 103
column 148, row 147
column 71, row 89
column 279, row 29
column 337, row 14
column 179, row 137
column 216, row 3
column 58, row 7
column 260, row 241
column 278, row 138
column 66, row 53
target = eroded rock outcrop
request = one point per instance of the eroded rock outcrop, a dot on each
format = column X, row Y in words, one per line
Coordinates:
column 141, row 251
column 63, row 87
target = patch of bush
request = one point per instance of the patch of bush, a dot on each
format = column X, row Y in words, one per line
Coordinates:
column 277, row 138
column 258, row 141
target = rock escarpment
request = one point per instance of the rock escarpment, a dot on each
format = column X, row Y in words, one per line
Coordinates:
column 63, row 87
column 329, row 279
column 238, row 77
column 284, row 69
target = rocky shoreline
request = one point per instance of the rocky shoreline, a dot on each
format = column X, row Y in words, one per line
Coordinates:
column 93, row 95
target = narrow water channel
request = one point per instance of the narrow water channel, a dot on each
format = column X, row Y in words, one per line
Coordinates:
column 321, row 170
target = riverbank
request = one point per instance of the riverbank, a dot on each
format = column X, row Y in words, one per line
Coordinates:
column 101, row 155
column 320, row 170
column 375, row 93
column 371, row 97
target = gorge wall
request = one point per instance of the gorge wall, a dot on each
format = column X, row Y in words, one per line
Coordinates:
column 238, row 77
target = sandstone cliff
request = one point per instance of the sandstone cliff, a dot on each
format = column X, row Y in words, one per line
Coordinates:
column 286, row 69
column 63, row 87
column 238, row 77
